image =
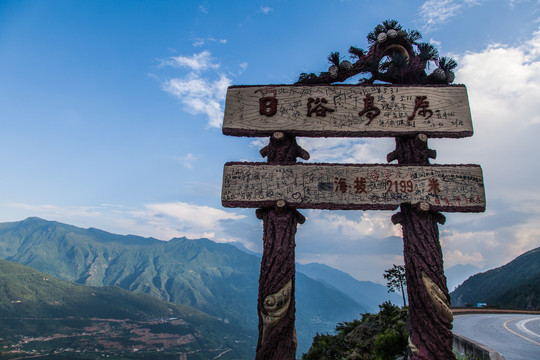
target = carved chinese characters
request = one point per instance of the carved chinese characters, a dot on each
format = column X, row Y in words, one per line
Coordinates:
column 370, row 110
column 330, row 186
column 348, row 110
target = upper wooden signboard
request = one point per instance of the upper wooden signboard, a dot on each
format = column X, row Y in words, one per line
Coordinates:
column 455, row 188
column 440, row 111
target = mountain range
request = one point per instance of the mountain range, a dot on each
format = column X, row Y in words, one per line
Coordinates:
column 217, row 279
column 515, row 285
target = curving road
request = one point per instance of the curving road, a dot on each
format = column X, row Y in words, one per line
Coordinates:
column 516, row 337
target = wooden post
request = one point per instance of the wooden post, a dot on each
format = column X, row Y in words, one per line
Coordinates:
column 276, row 305
column 430, row 317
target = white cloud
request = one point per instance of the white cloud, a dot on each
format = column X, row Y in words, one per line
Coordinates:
column 201, row 42
column 363, row 244
column 361, row 225
column 178, row 219
column 55, row 211
column 436, row 43
column 159, row 220
column 513, row 3
column 503, row 84
column 489, row 248
column 347, row 150
column 195, row 62
column 187, row 160
column 265, row 9
column 199, row 219
column 200, row 95
column 435, row 12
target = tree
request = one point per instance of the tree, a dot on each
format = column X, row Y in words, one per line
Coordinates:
column 381, row 336
column 396, row 280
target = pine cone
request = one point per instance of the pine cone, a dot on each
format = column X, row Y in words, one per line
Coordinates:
column 345, row 65
column 392, row 34
column 382, row 38
column 439, row 74
column 333, row 70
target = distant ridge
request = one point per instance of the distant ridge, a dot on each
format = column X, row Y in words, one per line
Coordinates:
column 515, row 285
column 367, row 293
column 457, row 274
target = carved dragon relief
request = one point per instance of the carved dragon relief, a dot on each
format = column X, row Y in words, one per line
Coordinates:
column 437, row 297
column 276, row 306
column 439, row 301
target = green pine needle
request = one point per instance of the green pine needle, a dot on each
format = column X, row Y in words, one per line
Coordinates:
column 447, row 64
column 334, row 58
column 356, row 52
column 428, row 52
column 414, row 35
column 391, row 24
column 371, row 37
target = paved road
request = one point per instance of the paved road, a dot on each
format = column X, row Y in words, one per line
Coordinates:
column 516, row 337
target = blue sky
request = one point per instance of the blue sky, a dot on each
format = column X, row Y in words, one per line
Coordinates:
column 110, row 115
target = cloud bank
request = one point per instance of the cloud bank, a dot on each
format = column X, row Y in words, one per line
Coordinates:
column 503, row 83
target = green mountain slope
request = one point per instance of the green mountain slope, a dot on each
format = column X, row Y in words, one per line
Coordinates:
column 217, row 279
column 48, row 313
column 515, row 285
column 201, row 273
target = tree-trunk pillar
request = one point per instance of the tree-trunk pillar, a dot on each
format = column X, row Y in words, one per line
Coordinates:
column 276, row 302
column 430, row 317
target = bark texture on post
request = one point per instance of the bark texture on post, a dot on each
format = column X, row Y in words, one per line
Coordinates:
column 276, row 303
column 430, row 317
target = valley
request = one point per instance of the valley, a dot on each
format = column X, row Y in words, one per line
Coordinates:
column 86, row 338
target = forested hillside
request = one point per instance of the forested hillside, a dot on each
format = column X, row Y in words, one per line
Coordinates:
column 515, row 285
column 40, row 313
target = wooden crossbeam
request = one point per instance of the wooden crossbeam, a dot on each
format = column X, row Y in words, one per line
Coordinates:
column 452, row 188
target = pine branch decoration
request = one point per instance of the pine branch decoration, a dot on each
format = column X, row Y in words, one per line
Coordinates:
column 394, row 56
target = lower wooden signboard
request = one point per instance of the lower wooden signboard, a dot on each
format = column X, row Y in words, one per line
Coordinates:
column 453, row 188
